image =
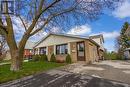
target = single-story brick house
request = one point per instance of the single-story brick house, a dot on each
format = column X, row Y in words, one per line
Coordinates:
column 79, row 48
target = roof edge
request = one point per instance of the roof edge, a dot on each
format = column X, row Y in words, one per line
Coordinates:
column 66, row 35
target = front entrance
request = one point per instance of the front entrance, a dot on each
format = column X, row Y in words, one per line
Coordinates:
column 80, row 51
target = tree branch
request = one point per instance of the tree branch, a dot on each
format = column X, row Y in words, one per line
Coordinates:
column 50, row 18
column 23, row 23
column 40, row 13
column 3, row 28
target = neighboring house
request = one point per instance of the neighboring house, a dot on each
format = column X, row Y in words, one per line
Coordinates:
column 5, row 56
column 28, row 51
column 100, row 40
column 127, row 50
column 8, row 55
column 79, row 48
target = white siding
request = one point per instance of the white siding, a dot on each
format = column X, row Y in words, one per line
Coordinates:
column 100, row 42
column 69, row 51
column 55, row 40
column 38, row 51
column 46, row 50
column 97, row 40
column 54, row 49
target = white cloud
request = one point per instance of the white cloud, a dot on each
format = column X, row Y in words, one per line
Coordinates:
column 123, row 10
column 80, row 30
column 56, row 30
column 109, row 35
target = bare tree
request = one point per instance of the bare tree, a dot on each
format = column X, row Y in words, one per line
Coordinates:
column 37, row 15
column 118, row 48
column 117, row 43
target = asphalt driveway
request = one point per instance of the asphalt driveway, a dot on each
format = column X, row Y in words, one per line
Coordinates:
column 103, row 74
column 112, row 70
column 58, row 78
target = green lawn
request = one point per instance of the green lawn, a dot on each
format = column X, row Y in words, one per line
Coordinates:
column 28, row 69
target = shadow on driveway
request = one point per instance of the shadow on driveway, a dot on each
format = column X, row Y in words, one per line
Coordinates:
column 59, row 78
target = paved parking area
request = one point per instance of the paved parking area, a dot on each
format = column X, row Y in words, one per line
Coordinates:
column 112, row 70
column 103, row 74
column 58, row 78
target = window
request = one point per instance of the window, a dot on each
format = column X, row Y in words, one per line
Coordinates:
column 81, row 46
column 62, row 49
column 80, row 49
column 43, row 50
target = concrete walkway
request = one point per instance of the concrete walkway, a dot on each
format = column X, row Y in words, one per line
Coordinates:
column 10, row 62
column 4, row 63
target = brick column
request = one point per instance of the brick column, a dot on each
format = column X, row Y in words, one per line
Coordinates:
column 50, row 51
column 73, row 51
column 87, row 51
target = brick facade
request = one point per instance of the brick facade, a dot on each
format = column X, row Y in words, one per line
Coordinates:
column 73, row 51
column 50, row 51
column 89, row 52
column 61, row 58
column 28, row 53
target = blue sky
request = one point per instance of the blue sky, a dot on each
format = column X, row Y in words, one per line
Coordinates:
column 108, row 24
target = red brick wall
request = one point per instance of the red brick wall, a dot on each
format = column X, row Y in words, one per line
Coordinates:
column 61, row 58
column 27, row 53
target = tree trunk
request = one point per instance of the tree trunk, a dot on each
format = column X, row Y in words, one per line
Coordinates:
column 17, row 55
column 15, row 61
column 17, row 58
